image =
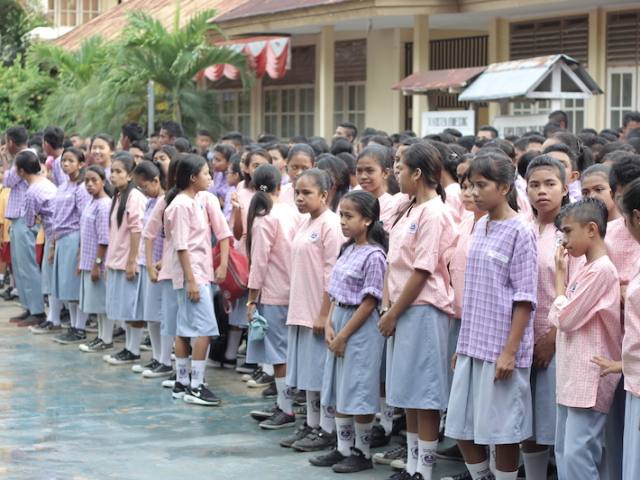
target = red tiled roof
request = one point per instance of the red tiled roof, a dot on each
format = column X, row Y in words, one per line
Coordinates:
column 438, row 79
column 111, row 23
column 253, row 8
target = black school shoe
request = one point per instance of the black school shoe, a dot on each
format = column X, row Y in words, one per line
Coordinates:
column 298, row 434
column 119, row 334
column 201, row 396
column 328, row 459
column 271, row 391
column 278, row 421
column 378, row 437
column 72, row 336
column 356, row 462
column 245, row 367
column 261, row 414
column 316, row 440
column 123, row 357
column 402, row 475
column 178, row 391
column 451, row 453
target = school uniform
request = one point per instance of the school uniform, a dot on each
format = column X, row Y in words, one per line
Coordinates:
column 69, row 202
column 188, row 226
column 352, row 382
column 288, row 194
column 5, row 248
column 39, row 203
column 388, row 210
column 588, row 322
column 219, row 186
column 121, row 292
column 422, row 239
column 94, row 231
column 58, row 177
column 23, row 246
column 501, row 269
column 148, row 294
column 453, row 194
column 631, row 370
column 314, row 251
column 270, row 273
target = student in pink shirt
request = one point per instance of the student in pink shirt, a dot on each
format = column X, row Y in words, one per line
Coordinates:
column 420, row 297
column 125, row 226
column 587, row 316
column 241, row 201
column 547, row 191
column 189, row 222
column 449, row 179
column 301, row 157
column 314, row 251
column 271, row 226
column 372, row 173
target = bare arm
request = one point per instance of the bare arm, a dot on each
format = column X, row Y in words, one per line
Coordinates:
column 190, row 282
column 134, row 245
column 519, row 321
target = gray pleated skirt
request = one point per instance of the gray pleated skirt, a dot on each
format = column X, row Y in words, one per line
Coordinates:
column 272, row 349
column 306, row 354
column 543, row 393
column 92, row 294
column 352, row 382
column 65, row 283
column 238, row 315
column 121, row 296
column 417, row 360
column 148, row 298
column 196, row 319
column 169, row 308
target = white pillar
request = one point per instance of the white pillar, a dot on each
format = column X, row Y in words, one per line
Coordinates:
column 325, row 82
column 420, row 64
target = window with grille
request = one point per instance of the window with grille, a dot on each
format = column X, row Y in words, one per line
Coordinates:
column 574, row 108
column 349, row 103
column 623, row 38
column 289, row 111
column 569, row 35
column 234, row 110
column 69, row 13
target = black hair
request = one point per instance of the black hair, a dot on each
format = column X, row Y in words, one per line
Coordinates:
column 79, row 154
column 133, row 131
column 562, row 148
column 18, row 135
column 266, row 180
column 630, row 117
column 169, row 150
column 106, row 138
column 280, row 147
column 339, row 174
column 489, row 128
column 28, row 161
column 379, row 153
column 633, row 133
column 235, row 164
column 319, row 145
column 610, row 137
column 503, row 145
column 450, row 160
column 525, row 160
column 631, row 197
column 183, row 145
column 149, row 170
column 54, row 136
column 298, row 139
column 127, row 162
column 584, row 211
column 523, row 142
column 267, row 138
column 383, row 140
column 583, row 154
column 558, row 116
column 188, row 165
column 635, row 143
column 204, row 133
column 547, row 161
column 341, row 145
column 98, row 170
column 349, row 160
column 426, row 157
column 260, row 152
column 551, row 128
column 467, row 142
column 174, row 129
column 304, row 149
column 494, row 165
column 591, row 131
column 235, row 137
column 351, row 127
column 453, row 131
column 597, row 169
column 141, row 145
column 226, row 150
column 511, row 138
column 321, row 178
column 624, row 171
column 368, row 206
column 616, row 146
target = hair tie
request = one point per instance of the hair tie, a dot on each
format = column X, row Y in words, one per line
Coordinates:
column 380, row 222
column 263, row 188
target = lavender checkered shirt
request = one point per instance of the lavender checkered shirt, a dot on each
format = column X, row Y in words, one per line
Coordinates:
column 358, row 272
column 58, row 175
column 15, row 205
column 69, row 203
column 39, row 200
column 157, row 243
column 219, row 185
column 94, row 230
column 501, row 269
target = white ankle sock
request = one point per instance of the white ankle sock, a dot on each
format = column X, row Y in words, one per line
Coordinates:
column 107, row 330
column 55, row 306
column 535, row 464
column 127, row 336
column 363, row 438
column 167, row 346
column 135, row 335
column 268, row 369
column 327, row 419
column 81, row 320
column 426, row 457
column 284, row 396
column 506, row 475
column 386, row 416
column 346, row 435
column 412, row 453
column 156, row 342
column 313, row 409
column 479, row 471
column 73, row 313
column 197, row 372
column 233, row 342
column 182, row 371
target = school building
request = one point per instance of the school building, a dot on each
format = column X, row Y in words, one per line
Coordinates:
column 336, row 60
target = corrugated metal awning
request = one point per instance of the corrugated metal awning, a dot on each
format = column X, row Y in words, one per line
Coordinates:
column 448, row 80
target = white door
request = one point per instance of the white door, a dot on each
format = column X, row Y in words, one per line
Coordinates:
column 622, row 93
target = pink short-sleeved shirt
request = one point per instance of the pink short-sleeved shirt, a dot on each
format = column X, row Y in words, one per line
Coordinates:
column 153, row 229
column 588, row 322
column 424, row 238
column 244, row 197
column 120, row 236
column 388, row 210
column 631, row 340
column 314, row 251
column 623, row 250
column 459, row 262
column 454, row 200
column 271, row 239
column 287, row 194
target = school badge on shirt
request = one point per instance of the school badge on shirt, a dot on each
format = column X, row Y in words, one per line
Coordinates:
column 413, row 228
column 314, row 236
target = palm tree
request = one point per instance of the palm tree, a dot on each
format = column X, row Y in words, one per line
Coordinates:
column 172, row 58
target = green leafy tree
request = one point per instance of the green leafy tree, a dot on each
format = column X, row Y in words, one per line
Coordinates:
column 18, row 20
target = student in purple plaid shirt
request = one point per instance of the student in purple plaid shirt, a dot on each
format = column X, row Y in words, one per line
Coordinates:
column 351, row 379
column 490, row 401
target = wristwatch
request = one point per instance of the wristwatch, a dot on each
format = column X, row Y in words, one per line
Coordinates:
column 98, row 261
column 251, row 302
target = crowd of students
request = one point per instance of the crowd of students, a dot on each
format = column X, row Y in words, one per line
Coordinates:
column 492, row 279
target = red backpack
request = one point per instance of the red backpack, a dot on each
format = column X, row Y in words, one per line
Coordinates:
column 235, row 283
